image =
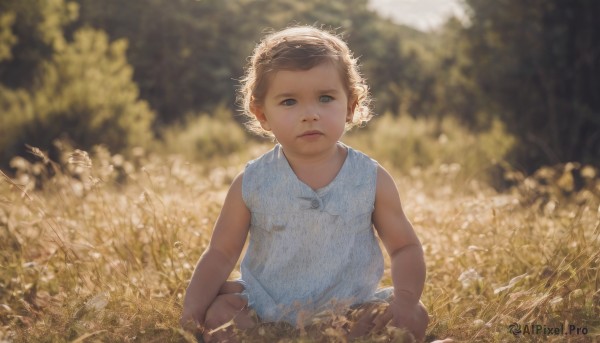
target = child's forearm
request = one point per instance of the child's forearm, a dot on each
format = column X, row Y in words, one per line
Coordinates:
column 212, row 270
column 408, row 273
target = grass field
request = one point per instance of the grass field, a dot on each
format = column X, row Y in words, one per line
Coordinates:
column 101, row 251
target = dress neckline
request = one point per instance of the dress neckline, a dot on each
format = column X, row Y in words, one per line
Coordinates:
column 324, row 189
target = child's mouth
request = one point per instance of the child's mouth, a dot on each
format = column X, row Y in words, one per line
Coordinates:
column 311, row 134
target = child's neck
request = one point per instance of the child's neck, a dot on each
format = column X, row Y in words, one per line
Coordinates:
column 318, row 171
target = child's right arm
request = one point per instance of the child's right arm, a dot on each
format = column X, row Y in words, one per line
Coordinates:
column 217, row 262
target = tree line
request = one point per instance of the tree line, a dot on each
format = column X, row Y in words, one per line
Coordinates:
column 116, row 72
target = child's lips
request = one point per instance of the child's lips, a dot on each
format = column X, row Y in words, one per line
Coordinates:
column 311, row 133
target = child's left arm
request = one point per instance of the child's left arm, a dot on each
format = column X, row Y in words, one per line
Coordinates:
column 406, row 254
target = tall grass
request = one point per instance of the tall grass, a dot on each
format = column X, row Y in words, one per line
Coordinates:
column 418, row 145
column 99, row 247
column 204, row 138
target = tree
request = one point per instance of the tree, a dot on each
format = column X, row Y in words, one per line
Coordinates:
column 83, row 91
column 187, row 55
column 31, row 30
column 537, row 63
column 183, row 52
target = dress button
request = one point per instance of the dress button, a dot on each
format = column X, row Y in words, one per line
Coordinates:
column 314, row 204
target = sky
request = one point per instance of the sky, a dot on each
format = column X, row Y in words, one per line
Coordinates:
column 424, row 15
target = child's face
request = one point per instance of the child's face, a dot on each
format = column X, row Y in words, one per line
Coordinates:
column 306, row 109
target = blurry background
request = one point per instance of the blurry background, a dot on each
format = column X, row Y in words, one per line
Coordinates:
column 488, row 118
column 512, row 84
column 424, row 15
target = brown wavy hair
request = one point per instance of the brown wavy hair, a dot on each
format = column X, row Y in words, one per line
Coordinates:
column 301, row 48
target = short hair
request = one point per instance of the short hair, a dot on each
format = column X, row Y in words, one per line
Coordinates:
column 301, row 48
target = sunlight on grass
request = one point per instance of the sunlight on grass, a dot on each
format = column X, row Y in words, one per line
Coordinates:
column 99, row 247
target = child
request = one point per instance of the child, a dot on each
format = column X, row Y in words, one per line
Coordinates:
column 309, row 204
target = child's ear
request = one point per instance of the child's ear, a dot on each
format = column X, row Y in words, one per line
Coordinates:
column 351, row 107
column 259, row 113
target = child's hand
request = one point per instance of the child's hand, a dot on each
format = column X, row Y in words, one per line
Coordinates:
column 410, row 316
column 192, row 319
column 224, row 308
column 401, row 313
column 370, row 317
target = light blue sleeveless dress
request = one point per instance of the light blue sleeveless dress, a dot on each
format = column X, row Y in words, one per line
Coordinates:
column 309, row 250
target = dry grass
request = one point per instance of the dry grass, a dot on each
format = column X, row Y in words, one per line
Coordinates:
column 102, row 249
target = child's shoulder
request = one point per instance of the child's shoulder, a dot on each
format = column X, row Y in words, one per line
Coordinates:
column 358, row 157
column 267, row 159
column 261, row 172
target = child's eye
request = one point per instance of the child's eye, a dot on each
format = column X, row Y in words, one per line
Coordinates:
column 325, row 98
column 288, row 102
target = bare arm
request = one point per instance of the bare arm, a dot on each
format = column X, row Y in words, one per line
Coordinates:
column 408, row 266
column 217, row 262
column 400, row 240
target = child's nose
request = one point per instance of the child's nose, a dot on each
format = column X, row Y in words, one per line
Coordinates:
column 310, row 113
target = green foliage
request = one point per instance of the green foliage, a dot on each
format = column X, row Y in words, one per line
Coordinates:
column 7, row 38
column 188, row 54
column 32, row 30
column 84, row 93
column 537, row 66
column 185, row 53
column 531, row 66
column 456, row 93
column 206, row 137
column 90, row 84
column 396, row 66
column 411, row 145
column 16, row 108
